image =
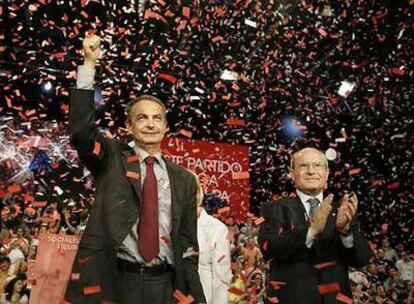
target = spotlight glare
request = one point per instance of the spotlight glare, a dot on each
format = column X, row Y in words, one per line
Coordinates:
column 47, row 86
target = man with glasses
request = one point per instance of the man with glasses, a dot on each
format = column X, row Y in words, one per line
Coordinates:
column 311, row 239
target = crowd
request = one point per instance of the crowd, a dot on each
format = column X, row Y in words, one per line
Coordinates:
column 288, row 60
column 387, row 279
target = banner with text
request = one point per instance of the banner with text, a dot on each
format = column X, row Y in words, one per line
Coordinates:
column 53, row 266
column 222, row 169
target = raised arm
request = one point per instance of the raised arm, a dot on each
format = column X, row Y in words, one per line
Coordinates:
column 91, row 146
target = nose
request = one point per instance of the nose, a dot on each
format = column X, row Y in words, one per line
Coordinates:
column 311, row 169
column 150, row 123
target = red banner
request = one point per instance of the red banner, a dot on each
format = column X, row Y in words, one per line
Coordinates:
column 53, row 267
column 222, row 169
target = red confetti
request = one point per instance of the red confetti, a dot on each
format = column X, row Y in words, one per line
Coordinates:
column 259, row 221
column 273, row 300
column 216, row 39
column 223, row 210
column 329, row 288
column 166, row 240
column 132, row 158
column 240, row 175
column 84, row 14
column 276, row 285
column 84, row 260
column 394, row 185
column 235, row 122
column 186, row 12
column 181, row 298
column 97, row 148
column 133, row 175
column 153, row 15
column 324, row 265
column 397, row 72
column 221, row 258
column 14, row 189
column 186, row 133
column 75, row 276
column 344, row 299
column 40, row 204
column 168, row 77
column 384, row 228
column 354, row 171
column 322, row 32
column 92, row 289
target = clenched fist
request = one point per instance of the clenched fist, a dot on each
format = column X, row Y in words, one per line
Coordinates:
column 91, row 49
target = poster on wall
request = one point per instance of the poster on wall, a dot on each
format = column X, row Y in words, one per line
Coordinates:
column 222, row 169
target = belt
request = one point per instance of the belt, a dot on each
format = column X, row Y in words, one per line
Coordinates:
column 124, row 265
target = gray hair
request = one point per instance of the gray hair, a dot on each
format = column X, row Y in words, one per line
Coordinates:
column 133, row 102
column 297, row 153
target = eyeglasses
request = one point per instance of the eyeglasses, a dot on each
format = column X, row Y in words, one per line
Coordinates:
column 306, row 166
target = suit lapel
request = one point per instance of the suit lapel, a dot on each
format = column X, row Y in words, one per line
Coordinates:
column 174, row 177
column 130, row 161
column 300, row 210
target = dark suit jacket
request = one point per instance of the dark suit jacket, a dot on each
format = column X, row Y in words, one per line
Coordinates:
column 282, row 239
column 118, row 194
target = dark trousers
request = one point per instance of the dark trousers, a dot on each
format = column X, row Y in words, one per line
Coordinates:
column 137, row 288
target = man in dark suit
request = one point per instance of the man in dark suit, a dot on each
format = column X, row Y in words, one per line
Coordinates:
column 140, row 242
column 311, row 240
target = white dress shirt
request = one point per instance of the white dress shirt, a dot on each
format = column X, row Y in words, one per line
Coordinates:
column 214, row 264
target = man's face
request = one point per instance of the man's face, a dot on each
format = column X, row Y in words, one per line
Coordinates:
column 147, row 123
column 309, row 171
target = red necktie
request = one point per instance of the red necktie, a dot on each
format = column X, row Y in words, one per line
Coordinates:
column 148, row 221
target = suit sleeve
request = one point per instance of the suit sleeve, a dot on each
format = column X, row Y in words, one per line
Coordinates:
column 190, row 246
column 92, row 147
column 221, row 265
column 360, row 253
column 278, row 237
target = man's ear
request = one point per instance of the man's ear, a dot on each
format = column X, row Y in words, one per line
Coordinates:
column 290, row 175
column 128, row 126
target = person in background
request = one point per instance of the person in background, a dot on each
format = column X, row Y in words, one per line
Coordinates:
column 214, row 264
column 405, row 266
column 15, row 292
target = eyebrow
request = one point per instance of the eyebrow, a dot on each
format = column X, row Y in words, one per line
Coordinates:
column 148, row 115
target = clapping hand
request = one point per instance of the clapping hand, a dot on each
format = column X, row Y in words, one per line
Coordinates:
column 346, row 212
column 318, row 221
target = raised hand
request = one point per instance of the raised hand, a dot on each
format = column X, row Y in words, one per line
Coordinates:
column 318, row 221
column 91, row 49
column 346, row 212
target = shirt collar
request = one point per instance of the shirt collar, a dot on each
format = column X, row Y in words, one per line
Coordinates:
column 304, row 197
column 142, row 154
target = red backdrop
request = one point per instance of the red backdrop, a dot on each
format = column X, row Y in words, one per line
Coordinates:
column 222, row 168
